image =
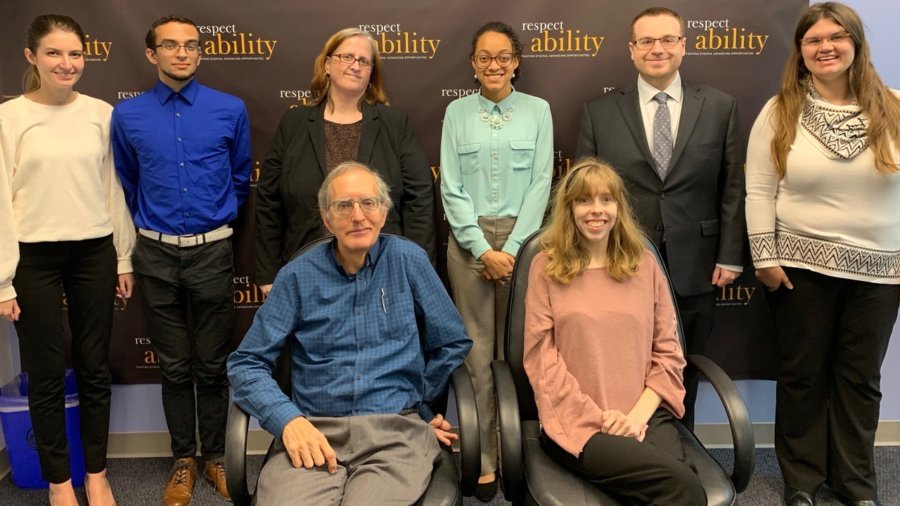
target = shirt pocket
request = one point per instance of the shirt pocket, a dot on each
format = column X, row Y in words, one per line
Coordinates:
column 468, row 157
column 396, row 315
column 521, row 154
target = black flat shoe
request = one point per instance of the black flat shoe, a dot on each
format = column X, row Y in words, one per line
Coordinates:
column 485, row 492
column 798, row 498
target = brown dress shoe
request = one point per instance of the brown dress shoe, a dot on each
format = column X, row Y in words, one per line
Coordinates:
column 181, row 485
column 214, row 473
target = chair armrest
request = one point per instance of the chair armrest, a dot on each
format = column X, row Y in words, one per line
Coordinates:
column 738, row 419
column 512, row 464
column 236, row 456
column 469, row 438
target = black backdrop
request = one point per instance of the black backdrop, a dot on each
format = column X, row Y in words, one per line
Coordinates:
column 574, row 50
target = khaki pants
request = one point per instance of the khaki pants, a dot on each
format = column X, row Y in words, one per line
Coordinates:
column 482, row 305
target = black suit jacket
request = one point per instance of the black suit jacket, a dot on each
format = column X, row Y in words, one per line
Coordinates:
column 287, row 213
column 700, row 205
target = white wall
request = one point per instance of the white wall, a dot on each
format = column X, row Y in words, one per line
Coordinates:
column 880, row 18
column 9, row 360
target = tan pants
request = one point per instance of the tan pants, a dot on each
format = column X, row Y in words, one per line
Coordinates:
column 482, row 305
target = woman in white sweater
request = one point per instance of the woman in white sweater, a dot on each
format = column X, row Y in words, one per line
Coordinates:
column 63, row 222
column 823, row 216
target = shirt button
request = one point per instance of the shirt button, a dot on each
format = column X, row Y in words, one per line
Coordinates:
column 361, row 348
column 358, row 311
column 179, row 139
column 184, row 190
column 358, row 377
column 177, row 114
column 181, row 164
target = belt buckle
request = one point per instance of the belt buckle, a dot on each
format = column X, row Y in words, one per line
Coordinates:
column 188, row 241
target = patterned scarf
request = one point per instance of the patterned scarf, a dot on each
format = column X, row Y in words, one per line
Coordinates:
column 839, row 130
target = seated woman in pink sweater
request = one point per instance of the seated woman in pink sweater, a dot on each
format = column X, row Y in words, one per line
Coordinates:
column 601, row 348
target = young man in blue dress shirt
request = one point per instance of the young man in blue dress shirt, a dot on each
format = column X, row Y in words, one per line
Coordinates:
column 360, row 420
column 182, row 152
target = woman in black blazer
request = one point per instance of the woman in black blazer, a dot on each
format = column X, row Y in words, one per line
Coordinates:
column 348, row 119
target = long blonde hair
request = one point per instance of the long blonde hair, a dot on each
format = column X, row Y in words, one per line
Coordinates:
column 562, row 242
column 875, row 99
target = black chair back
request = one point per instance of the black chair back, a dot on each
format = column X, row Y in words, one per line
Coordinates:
column 514, row 345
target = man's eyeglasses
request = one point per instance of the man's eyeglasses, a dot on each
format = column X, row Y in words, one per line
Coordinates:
column 666, row 41
column 483, row 61
column 834, row 38
column 172, row 47
column 349, row 59
column 366, row 205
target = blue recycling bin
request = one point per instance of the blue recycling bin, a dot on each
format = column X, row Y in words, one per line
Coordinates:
column 15, row 418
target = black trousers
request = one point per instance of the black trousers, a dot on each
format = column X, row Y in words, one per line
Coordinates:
column 696, row 312
column 86, row 271
column 189, row 301
column 652, row 471
column 832, row 338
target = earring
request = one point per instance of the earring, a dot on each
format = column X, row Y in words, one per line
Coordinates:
column 327, row 75
column 475, row 76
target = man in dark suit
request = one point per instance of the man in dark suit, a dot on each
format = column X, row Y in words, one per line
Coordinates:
column 676, row 146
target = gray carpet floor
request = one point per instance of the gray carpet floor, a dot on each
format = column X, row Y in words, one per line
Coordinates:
column 139, row 482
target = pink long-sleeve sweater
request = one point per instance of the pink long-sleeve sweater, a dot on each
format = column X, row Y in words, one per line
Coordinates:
column 595, row 344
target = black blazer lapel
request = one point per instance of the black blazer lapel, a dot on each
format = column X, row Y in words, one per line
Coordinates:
column 370, row 126
column 630, row 108
column 690, row 111
column 317, row 135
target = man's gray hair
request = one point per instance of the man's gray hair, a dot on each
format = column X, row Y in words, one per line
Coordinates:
column 384, row 191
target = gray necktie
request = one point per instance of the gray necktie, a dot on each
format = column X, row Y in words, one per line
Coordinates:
column 662, row 136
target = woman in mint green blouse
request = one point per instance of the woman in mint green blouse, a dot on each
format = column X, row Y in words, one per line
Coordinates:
column 496, row 166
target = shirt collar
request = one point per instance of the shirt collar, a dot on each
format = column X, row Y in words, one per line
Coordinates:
column 374, row 252
column 504, row 105
column 646, row 91
column 188, row 93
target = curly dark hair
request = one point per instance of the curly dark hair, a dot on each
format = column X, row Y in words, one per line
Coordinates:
column 505, row 29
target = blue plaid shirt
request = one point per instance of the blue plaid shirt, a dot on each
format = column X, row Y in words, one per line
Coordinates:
column 355, row 345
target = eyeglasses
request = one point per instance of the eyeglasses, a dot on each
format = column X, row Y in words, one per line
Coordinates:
column 349, row 59
column 366, row 205
column 834, row 38
column 483, row 61
column 666, row 41
column 172, row 47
